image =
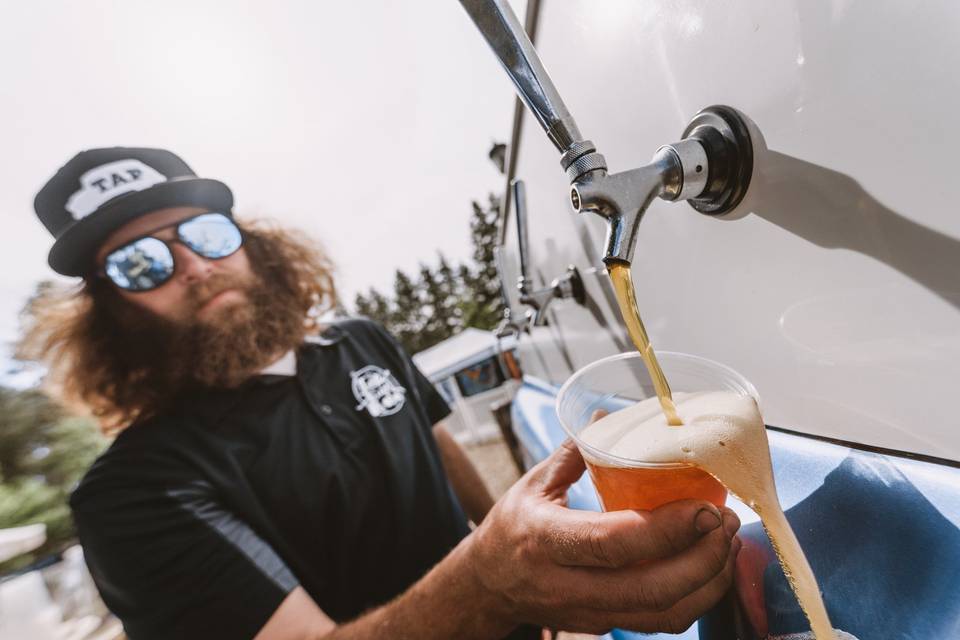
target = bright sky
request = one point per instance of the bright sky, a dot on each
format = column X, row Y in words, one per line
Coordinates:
column 365, row 123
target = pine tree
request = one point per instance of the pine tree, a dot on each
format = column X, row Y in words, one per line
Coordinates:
column 453, row 290
column 408, row 319
column 484, row 281
column 439, row 306
column 375, row 306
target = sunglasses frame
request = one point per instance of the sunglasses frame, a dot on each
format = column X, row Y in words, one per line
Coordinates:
column 102, row 269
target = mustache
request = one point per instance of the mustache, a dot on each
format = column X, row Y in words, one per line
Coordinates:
column 201, row 293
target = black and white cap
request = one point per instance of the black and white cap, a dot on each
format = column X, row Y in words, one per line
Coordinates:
column 99, row 190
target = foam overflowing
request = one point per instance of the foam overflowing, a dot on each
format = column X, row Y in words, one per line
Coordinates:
column 722, row 433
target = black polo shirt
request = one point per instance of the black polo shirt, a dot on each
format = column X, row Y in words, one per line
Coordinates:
column 198, row 523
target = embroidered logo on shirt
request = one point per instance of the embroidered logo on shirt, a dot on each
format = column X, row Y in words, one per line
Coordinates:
column 377, row 391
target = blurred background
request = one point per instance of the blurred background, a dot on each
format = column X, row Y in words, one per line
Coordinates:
column 373, row 126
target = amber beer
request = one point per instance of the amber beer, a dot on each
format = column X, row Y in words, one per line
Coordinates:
column 651, row 486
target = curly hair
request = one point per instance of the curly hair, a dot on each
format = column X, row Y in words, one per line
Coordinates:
column 106, row 356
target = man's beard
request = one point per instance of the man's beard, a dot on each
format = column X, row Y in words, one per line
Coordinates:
column 223, row 350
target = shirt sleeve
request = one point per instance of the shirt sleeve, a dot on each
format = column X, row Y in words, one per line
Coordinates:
column 173, row 563
column 434, row 405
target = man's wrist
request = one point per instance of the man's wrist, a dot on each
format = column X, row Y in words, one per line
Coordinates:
column 491, row 615
column 494, row 612
column 450, row 601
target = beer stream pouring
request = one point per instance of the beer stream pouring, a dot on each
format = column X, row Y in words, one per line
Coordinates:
column 710, row 167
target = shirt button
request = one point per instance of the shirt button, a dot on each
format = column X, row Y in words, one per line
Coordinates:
column 326, row 409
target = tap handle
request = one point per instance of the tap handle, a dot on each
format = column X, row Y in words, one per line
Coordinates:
column 503, row 32
column 523, row 237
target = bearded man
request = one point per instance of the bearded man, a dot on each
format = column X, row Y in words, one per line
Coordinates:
column 278, row 478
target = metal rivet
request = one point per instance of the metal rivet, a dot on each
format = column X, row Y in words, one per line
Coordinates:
column 326, row 409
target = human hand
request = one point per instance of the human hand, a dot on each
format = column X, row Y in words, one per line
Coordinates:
column 545, row 564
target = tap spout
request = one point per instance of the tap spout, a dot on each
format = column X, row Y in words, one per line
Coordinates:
column 622, row 198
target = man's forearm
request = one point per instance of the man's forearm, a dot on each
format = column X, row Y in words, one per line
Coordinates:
column 448, row 602
column 464, row 477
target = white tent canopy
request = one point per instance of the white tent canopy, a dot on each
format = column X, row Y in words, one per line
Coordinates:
column 468, row 347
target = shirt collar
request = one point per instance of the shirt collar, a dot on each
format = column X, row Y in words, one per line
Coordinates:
column 329, row 337
column 285, row 366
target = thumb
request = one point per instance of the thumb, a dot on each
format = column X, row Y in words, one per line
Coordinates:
column 562, row 468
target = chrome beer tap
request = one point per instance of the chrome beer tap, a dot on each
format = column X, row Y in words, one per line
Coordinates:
column 710, row 166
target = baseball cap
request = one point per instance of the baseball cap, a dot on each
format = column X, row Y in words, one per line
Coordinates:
column 99, row 190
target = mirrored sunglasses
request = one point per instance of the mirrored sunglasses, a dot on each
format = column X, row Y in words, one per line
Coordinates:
column 147, row 262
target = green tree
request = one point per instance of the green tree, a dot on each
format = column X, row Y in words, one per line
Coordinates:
column 470, row 306
column 440, row 304
column 408, row 318
column 375, row 306
column 452, row 282
column 43, row 453
column 482, row 281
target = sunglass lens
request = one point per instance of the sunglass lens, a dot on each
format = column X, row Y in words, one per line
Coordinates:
column 212, row 235
column 141, row 265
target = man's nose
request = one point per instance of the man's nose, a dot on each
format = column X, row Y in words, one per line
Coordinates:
column 190, row 267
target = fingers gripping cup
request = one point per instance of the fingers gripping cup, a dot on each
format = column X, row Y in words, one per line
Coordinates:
column 621, row 381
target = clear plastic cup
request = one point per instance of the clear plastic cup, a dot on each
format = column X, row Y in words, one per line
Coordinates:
column 621, row 381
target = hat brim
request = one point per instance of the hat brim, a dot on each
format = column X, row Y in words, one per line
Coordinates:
column 73, row 252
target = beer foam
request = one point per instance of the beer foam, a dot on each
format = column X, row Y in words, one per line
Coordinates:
column 722, row 433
